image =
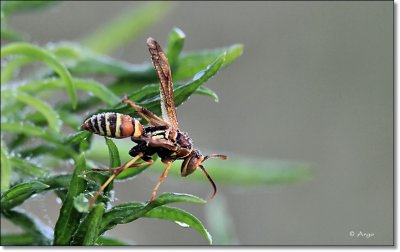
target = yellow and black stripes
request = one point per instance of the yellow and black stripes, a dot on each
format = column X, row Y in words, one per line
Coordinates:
column 113, row 125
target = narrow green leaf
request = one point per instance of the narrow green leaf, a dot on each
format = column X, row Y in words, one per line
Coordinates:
column 125, row 27
column 92, row 87
column 181, row 92
column 56, row 150
column 122, row 215
column 29, row 130
column 258, row 172
column 146, row 92
column 208, row 92
column 24, row 239
column 88, row 231
column 242, row 170
column 115, row 161
column 68, row 50
column 26, row 168
column 21, row 192
column 5, row 168
column 151, row 90
column 41, row 234
column 169, row 198
column 180, row 217
column 109, row 241
column 84, row 61
column 16, row 6
column 10, row 69
column 131, row 211
column 11, row 35
column 184, row 67
column 69, row 217
column 248, row 172
column 98, row 90
column 188, row 64
column 192, row 62
column 46, row 56
column 57, row 181
column 77, row 137
column 176, row 39
column 51, row 116
column 85, row 144
column 73, row 120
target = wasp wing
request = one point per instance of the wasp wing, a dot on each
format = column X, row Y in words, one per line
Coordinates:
column 163, row 70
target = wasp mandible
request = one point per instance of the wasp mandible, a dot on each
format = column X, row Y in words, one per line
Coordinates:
column 162, row 136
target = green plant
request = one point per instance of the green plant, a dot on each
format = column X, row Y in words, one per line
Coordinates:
column 26, row 166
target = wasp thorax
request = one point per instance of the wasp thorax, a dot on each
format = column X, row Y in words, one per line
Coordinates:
column 113, row 125
column 184, row 140
column 191, row 163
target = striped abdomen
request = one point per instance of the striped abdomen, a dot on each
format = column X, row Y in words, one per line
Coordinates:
column 113, row 125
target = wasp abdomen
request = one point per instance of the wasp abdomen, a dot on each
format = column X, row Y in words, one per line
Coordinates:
column 114, row 125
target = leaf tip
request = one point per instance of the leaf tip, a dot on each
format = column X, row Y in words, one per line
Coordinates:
column 39, row 186
column 179, row 33
column 74, row 103
column 239, row 47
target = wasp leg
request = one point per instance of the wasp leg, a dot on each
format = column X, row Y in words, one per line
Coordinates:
column 111, row 178
column 147, row 162
column 143, row 112
column 163, row 176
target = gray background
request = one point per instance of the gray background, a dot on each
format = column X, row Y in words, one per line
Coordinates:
column 315, row 84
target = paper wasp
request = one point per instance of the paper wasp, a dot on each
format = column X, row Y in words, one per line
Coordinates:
column 162, row 136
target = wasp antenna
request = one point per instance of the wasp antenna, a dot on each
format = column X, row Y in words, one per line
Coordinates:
column 223, row 157
column 211, row 181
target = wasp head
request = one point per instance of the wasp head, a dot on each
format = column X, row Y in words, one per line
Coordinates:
column 194, row 160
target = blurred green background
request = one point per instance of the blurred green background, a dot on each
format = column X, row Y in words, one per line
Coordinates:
column 315, row 84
